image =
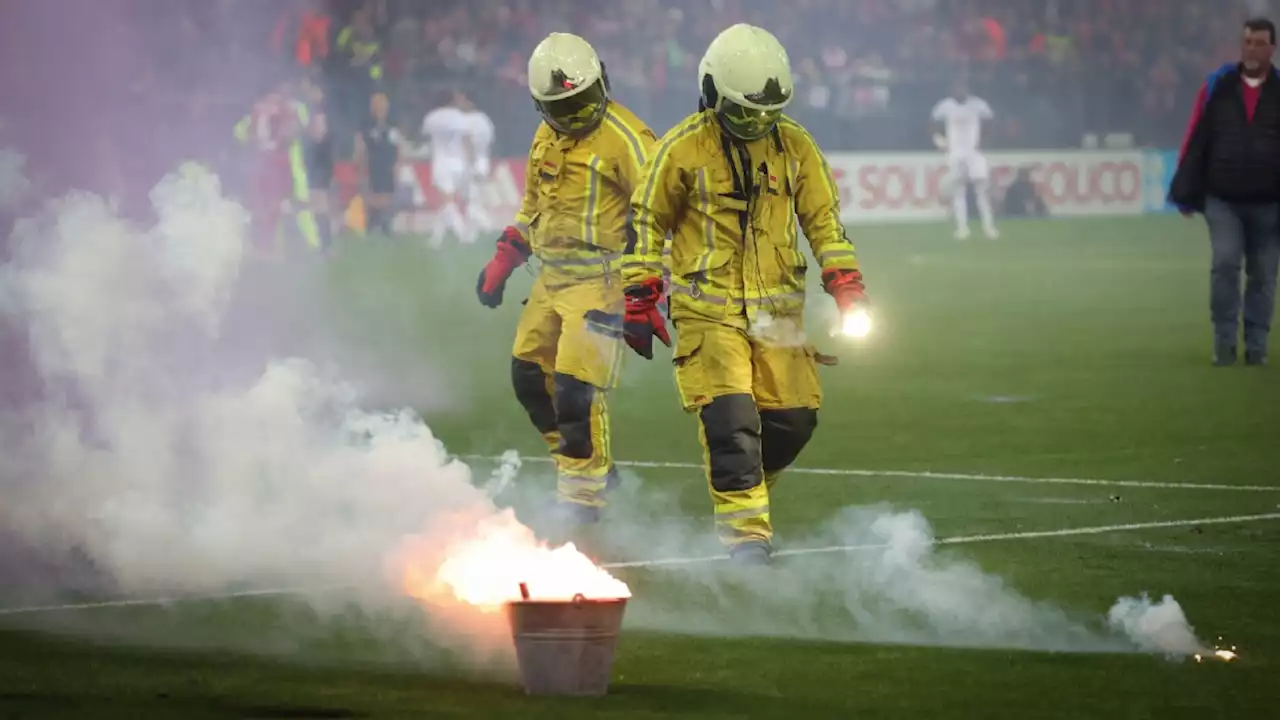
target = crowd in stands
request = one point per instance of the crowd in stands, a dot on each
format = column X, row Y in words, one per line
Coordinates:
column 867, row 71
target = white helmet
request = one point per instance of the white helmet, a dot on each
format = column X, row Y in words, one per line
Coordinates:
column 745, row 76
column 568, row 83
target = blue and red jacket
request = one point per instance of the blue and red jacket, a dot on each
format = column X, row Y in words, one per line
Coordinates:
column 1189, row 187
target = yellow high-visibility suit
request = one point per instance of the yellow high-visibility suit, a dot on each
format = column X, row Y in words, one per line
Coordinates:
column 734, row 211
column 568, row 345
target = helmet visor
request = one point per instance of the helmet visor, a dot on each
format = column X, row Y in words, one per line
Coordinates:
column 577, row 114
column 747, row 123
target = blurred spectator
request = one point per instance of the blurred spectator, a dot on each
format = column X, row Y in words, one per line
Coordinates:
column 867, row 71
column 302, row 35
column 1100, row 66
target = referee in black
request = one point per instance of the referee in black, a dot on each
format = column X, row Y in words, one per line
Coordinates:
column 377, row 155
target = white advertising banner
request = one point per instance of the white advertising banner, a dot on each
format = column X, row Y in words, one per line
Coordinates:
column 913, row 187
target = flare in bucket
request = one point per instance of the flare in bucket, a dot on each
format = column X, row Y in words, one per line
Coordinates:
column 564, row 612
column 490, row 568
column 566, row 648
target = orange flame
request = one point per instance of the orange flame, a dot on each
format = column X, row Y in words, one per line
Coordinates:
column 486, row 567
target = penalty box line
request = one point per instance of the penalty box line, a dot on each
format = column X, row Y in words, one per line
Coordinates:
column 930, row 475
column 670, row 562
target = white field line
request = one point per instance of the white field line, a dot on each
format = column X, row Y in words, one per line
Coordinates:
column 967, row 539
column 668, row 562
column 926, row 474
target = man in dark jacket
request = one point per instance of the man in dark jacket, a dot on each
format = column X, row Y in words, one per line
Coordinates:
column 1230, row 172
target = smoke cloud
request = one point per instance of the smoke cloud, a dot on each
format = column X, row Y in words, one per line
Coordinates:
column 148, row 468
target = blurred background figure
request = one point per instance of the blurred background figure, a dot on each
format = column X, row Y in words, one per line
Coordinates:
column 460, row 138
column 273, row 131
column 318, row 146
column 377, row 156
column 961, row 117
column 482, row 134
column 1022, row 199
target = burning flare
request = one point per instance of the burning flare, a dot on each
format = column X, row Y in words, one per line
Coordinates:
column 1217, row 653
column 487, row 568
column 856, row 324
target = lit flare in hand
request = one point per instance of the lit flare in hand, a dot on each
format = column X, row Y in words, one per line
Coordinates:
column 856, row 323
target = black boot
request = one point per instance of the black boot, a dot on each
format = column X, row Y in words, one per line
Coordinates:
column 751, row 554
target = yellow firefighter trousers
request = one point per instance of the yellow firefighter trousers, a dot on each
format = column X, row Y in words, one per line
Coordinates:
column 575, row 330
column 713, row 361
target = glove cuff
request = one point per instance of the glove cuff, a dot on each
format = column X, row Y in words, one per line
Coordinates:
column 511, row 239
column 648, row 291
column 835, row 281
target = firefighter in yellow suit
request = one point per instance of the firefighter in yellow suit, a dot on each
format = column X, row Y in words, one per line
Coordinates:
column 727, row 185
column 584, row 165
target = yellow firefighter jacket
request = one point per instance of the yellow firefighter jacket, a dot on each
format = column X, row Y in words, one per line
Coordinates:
column 577, row 194
column 730, row 210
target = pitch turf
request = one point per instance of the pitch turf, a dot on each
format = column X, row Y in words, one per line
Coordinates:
column 1073, row 349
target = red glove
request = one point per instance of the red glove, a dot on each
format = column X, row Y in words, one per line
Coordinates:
column 846, row 287
column 512, row 252
column 643, row 320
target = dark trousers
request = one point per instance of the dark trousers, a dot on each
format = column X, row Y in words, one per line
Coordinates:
column 1248, row 236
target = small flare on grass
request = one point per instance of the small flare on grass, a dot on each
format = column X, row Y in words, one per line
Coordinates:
column 1218, row 653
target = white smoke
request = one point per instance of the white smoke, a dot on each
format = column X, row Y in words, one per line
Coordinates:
column 779, row 331
column 870, row 574
column 504, row 474
column 140, row 454
column 1156, row 627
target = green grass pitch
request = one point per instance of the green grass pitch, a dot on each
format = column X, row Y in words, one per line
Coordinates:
column 1076, row 350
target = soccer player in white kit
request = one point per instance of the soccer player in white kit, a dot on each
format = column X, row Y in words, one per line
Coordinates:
column 482, row 135
column 961, row 116
column 460, row 136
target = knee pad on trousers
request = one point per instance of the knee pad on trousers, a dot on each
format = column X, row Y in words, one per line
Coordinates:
column 573, row 416
column 731, row 425
column 530, row 384
column 783, row 434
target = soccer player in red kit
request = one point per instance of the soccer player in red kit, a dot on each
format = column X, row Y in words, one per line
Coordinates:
column 272, row 128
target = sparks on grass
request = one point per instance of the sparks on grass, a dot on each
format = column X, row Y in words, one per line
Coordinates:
column 1218, row 653
column 502, row 562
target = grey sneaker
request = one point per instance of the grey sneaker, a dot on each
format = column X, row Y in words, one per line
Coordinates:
column 1255, row 358
column 750, row 554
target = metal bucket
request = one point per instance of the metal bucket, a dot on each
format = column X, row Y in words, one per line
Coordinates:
column 566, row 648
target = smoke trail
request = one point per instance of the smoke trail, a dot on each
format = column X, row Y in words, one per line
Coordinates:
column 165, row 474
column 895, row 587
